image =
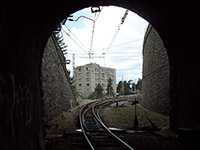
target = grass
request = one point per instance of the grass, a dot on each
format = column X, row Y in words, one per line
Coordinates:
column 128, row 113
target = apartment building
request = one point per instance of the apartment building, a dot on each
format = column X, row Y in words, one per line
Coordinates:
column 87, row 77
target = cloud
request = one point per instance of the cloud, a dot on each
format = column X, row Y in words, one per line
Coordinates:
column 126, row 51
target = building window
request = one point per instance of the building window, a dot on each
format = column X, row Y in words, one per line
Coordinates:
column 97, row 69
column 79, row 69
column 87, row 73
column 103, row 75
column 87, row 68
column 96, row 74
column 79, row 84
column 87, row 79
column 88, row 84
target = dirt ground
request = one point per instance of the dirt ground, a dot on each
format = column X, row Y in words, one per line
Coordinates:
column 65, row 137
column 66, row 121
column 123, row 117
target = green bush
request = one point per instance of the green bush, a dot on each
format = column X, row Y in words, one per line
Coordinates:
column 92, row 95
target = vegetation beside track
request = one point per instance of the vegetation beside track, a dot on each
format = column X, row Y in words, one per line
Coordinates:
column 121, row 117
column 126, row 113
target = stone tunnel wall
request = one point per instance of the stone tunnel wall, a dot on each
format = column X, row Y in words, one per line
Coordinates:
column 24, row 28
column 58, row 96
column 155, row 90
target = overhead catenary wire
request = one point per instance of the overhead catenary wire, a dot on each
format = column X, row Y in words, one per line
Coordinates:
column 76, row 37
column 94, row 21
column 116, row 32
column 113, row 55
column 99, row 14
column 119, row 44
column 90, row 52
column 79, row 43
column 94, row 56
column 74, row 41
column 102, row 49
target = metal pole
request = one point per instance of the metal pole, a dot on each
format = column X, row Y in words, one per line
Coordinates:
column 90, row 53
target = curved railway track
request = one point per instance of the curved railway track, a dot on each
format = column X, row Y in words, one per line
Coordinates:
column 97, row 135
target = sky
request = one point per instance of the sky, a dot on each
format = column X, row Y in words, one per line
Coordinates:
column 124, row 54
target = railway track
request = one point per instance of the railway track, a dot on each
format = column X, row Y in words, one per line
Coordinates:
column 97, row 135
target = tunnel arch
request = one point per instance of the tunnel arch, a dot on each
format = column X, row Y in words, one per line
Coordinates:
column 100, row 5
column 164, row 17
column 148, row 12
column 25, row 28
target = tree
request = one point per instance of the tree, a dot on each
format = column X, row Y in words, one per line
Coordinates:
column 98, row 91
column 133, row 88
column 119, row 88
column 109, row 88
column 92, row 95
column 126, row 87
column 130, row 84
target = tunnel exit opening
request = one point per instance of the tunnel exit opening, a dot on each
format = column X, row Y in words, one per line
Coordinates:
column 152, row 55
column 24, row 30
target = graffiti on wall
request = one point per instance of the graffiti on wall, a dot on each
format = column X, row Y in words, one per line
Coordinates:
column 16, row 105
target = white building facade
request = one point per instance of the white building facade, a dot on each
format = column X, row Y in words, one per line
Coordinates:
column 87, row 77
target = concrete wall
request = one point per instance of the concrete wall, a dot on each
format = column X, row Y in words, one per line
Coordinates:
column 57, row 91
column 155, row 90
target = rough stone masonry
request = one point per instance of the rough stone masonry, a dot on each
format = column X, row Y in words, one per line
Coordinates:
column 58, row 96
column 155, row 90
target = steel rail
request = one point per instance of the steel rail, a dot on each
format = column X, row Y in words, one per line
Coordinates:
column 97, row 116
column 81, row 117
column 83, row 125
column 84, row 128
column 83, row 114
